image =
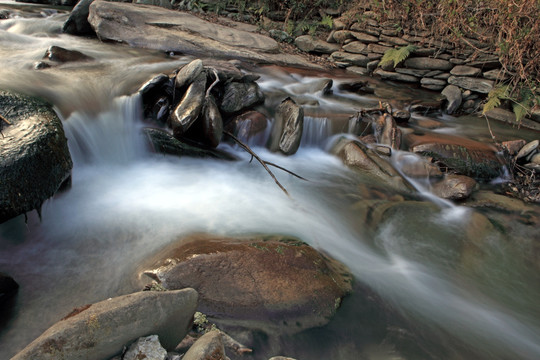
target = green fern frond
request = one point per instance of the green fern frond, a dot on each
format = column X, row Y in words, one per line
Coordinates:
column 494, row 98
column 397, row 55
column 327, row 21
column 521, row 109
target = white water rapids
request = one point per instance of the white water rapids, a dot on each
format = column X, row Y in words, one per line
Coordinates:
column 457, row 302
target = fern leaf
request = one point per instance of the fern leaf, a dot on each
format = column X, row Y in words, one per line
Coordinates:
column 521, row 109
column 388, row 57
column 494, row 98
column 397, row 55
column 402, row 53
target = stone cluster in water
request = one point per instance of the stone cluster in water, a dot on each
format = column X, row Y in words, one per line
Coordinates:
column 199, row 103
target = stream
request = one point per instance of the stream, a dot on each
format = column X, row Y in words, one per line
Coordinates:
column 460, row 282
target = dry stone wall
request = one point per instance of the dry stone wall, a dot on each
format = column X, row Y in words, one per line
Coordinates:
column 465, row 76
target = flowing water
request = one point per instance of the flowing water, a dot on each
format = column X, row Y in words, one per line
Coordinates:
column 450, row 282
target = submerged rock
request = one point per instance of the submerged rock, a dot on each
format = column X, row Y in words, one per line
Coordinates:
column 100, row 330
column 272, row 283
column 34, row 156
column 287, row 128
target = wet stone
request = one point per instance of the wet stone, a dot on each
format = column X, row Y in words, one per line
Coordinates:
column 238, row 281
column 287, row 128
column 59, row 54
column 454, row 187
column 240, row 96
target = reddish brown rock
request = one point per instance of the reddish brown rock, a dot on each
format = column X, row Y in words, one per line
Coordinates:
column 454, row 187
column 262, row 282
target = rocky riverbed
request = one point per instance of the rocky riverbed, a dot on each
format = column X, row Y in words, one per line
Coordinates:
column 386, row 160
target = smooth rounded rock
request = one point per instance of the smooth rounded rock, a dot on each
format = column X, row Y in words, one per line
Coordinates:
column 34, row 156
column 527, row 149
column 272, row 283
column 240, row 96
column 453, row 96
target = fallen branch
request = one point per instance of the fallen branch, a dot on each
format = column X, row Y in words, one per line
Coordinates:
column 262, row 162
column 287, row 171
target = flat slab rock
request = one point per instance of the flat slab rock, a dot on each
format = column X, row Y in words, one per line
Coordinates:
column 99, row 331
column 153, row 27
column 270, row 283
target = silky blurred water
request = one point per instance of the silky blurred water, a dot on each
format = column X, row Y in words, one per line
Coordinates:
column 457, row 290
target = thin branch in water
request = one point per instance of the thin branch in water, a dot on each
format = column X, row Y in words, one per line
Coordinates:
column 263, row 163
column 5, row 120
column 287, row 171
column 489, row 128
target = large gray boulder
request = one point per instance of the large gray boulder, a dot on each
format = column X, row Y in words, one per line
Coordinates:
column 102, row 329
column 34, row 157
column 161, row 29
column 310, row 44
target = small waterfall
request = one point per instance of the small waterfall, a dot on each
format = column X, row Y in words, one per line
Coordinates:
column 316, row 131
column 112, row 136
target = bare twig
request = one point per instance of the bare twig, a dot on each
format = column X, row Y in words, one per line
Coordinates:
column 287, row 171
column 263, row 163
column 5, row 120
column 214, row 83
column 489, row 128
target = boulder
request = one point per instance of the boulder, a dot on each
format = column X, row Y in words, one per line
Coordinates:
column 360, row 158
column 365, row 38
column 207, row 347
column 59, row 54
column 453, row 97
column 465, row 156
column 454, row 187
column 475, row 84
column 162, row 142
column 189, row 108
column 287, row 128
column 77, row 22
column 352, row 59
column 34, row 156
column 146, row 348
column 247, row 125
column 355, row 47
column 464, row 70
column 238, row 96
column 340, row 36
column 188, row 73
column 156, row 28
column 426, row 63
column 527, row 149
column 513, row 146
column 100, row 330
column 310, row 44
column 271, row 283
column 395, row 76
